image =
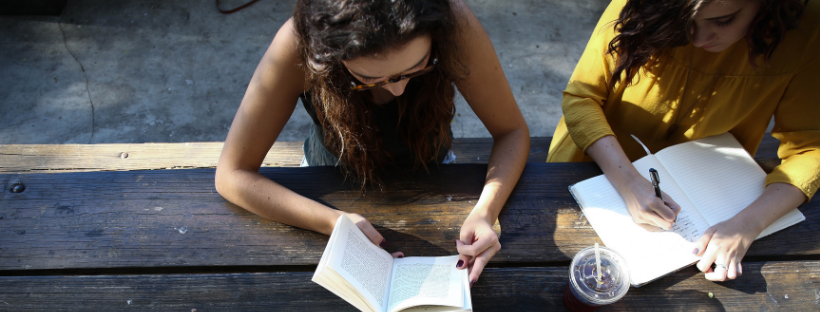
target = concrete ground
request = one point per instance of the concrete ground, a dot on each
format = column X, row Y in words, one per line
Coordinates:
column 176, row 71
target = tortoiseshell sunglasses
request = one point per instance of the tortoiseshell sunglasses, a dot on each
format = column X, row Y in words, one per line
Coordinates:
column 362, row 87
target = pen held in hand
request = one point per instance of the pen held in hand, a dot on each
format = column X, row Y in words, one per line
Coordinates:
column 656, row 182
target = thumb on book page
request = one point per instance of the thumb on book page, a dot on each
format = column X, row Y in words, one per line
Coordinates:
column 368, row 230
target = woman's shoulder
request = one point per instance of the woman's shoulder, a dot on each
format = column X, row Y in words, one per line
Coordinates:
column 809, row 27
column 813, row 9
column 800, row 46
column 465, row 20
column 604, row 31
column 282, row 58
column 286, row 41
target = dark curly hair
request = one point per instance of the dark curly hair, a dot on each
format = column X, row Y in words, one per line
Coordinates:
column 646, row 28
column 332, row 31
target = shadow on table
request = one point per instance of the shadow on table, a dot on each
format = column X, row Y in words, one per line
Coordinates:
column 434, row 205
column 689, row 288
column 411, row 245
column 419, row 213
column 670, row 300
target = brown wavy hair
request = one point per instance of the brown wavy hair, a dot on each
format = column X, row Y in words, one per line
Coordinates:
column 647, row 28
column 332, row 31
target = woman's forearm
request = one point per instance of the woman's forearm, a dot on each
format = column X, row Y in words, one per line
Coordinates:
column 636, row 191
column 776, row 201
column 610, row 156
column 268, row 199
column 507, row 161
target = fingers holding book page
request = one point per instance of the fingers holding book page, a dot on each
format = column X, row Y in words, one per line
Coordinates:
column 397, row 254
column 368, row 230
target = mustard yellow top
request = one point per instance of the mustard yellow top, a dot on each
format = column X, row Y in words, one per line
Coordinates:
column 742, row 100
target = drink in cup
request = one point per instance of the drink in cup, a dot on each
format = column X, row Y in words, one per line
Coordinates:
column 590, row 288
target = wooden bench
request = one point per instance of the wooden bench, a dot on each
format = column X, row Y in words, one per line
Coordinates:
column 165, row 240
column 29, row 158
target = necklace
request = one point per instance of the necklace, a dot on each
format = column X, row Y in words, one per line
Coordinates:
column 672, row 129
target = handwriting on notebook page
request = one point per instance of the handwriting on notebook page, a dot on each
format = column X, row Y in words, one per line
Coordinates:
column 686, row 228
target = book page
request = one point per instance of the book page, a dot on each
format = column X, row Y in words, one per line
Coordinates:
column 426, row 281
column 466, row 306
column 649, row 254
column 717, row 175
column 330, row 280
column 689, row 224
column 791, row 218
column 361, row 263
column 721, row 178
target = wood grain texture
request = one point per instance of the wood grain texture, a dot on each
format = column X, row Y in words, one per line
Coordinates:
column 34, row 158
column 21, row 158
column 173, row 218
column 764, row 287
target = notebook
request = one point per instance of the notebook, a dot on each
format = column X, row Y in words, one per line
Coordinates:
column 712, row 179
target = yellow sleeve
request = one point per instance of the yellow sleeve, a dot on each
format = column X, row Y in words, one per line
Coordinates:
column 587, row 89
column 797, row 126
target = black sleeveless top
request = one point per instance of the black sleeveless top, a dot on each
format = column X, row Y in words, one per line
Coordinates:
column 385, row 117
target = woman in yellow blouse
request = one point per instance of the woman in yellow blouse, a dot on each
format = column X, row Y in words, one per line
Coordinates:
column 679, row 70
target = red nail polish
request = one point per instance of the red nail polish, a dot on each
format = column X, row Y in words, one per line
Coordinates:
column 401, row 256
column 472, row 282
column 460, row 263
column 383, row 244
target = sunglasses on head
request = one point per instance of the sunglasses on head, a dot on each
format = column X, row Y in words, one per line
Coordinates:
column 361, row 87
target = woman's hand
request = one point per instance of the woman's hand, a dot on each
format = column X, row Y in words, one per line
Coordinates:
column 477, row 245
column 724, row 244
column 646, row 208
column 369, row 231
column 634, row 187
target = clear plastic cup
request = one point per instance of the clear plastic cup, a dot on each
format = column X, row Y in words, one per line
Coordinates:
column 585, row 291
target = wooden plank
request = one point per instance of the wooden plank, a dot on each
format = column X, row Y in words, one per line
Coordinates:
column 170, row 218
column 785, row 286
column 477, row 150
column 20, row 158
column 766, row 155
column 33, row 158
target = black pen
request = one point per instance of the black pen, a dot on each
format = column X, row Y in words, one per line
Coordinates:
column 656, row 182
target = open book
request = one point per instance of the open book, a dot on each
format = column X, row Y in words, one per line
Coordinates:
column 370, row 279
column 712, row 179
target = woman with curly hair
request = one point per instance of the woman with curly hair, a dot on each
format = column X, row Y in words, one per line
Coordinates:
column 679, row 70
column 378, row 79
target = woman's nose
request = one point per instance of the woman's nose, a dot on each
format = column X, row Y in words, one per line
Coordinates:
column 701, row 36
column 396, row 88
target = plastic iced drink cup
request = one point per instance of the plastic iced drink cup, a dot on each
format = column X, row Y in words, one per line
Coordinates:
column 585, row 291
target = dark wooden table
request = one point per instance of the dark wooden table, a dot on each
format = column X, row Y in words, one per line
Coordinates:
column 165, row 240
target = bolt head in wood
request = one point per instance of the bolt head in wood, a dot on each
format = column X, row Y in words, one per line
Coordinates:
column 123, row 155
column 18, row 188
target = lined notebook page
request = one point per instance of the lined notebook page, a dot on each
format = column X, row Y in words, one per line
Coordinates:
column 791, row 218
column 649, row 254
column 689, row 224
column 717, row 175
